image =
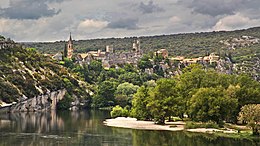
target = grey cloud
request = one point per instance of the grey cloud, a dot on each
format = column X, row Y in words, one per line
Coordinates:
column 213, row 7
column 124, row 23
column 149, row 8
column 28, row 9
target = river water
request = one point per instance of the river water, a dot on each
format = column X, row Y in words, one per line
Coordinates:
column 86, row 128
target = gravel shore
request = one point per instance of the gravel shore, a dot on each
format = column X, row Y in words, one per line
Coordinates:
column 133, row 123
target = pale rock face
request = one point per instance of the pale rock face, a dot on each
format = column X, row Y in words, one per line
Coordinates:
column 39, row 103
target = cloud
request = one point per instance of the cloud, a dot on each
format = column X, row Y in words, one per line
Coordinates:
column 28, row 9
column 51, row 20
column 211, row 7
column 220, row 7
column 175, row 19
column 90, row 23
column 124, row 23
column 236, row 21
column 149, row 8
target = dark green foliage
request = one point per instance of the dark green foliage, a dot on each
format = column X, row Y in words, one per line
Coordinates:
column 64, row 104
column 8, row 92
column 130, row 77
column 144, row 63
column 105, row 95
column 211, row 104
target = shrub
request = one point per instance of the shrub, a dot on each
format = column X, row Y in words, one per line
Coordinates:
column 64, row 104
column 194, row 125
column 118, row 111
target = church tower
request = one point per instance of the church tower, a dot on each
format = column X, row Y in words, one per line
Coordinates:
column 136, row 46
column 68, row 50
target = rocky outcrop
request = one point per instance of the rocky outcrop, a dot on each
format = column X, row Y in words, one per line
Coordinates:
column 38, row 103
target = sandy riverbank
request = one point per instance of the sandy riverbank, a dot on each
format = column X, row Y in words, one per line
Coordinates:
column 133, row 123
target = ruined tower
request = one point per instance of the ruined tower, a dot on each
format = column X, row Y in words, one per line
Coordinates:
column 136, row 46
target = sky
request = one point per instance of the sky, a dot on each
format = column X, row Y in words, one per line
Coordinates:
column 53, row 20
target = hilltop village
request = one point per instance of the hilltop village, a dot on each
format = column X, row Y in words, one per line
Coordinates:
column 110, row 57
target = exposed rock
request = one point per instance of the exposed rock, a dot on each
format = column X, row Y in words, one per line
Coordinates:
column 38, row 103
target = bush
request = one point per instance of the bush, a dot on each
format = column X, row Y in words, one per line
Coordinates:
column 194, row 125
column 118, row 111
column 64, row 104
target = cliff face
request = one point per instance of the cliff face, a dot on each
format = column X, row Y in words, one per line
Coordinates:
column 39, row 103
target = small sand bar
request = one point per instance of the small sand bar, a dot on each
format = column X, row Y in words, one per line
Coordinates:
column 133, row 123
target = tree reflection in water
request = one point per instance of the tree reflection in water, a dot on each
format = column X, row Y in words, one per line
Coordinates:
column 86, row 128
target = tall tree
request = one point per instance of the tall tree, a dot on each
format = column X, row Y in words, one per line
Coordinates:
column 251, row 114
column 163, row 100
column 139, row 102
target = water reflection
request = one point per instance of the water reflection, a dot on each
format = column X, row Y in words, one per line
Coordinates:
column 86, row 128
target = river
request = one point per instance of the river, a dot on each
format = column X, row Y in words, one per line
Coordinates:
column 86, row 128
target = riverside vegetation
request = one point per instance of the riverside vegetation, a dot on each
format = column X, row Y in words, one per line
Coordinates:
column 200, row 93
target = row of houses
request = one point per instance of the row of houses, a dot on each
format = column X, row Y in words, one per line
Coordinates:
column 206, row 59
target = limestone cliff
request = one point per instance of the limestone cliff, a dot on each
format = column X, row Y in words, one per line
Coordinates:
column 38, row 103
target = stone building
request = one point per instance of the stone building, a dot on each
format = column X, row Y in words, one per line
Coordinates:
column 162, row 52
column 110, row 57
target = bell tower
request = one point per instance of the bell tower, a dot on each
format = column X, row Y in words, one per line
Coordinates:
column 69, row 48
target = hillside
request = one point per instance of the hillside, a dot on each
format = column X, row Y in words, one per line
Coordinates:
column 24, row 74
column 189, row 44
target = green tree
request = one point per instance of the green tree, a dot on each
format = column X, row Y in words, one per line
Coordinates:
column 211, row 104
column 139, row 102
column 105, row 95
column 249, row 92
column 163, row 100
column 124, row 93
column 130, row 77
column 251, row 115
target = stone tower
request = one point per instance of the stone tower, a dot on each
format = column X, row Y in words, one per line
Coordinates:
column 68, row 51
column 136, row 46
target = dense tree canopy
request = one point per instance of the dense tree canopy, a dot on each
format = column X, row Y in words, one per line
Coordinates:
column 204, row 95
